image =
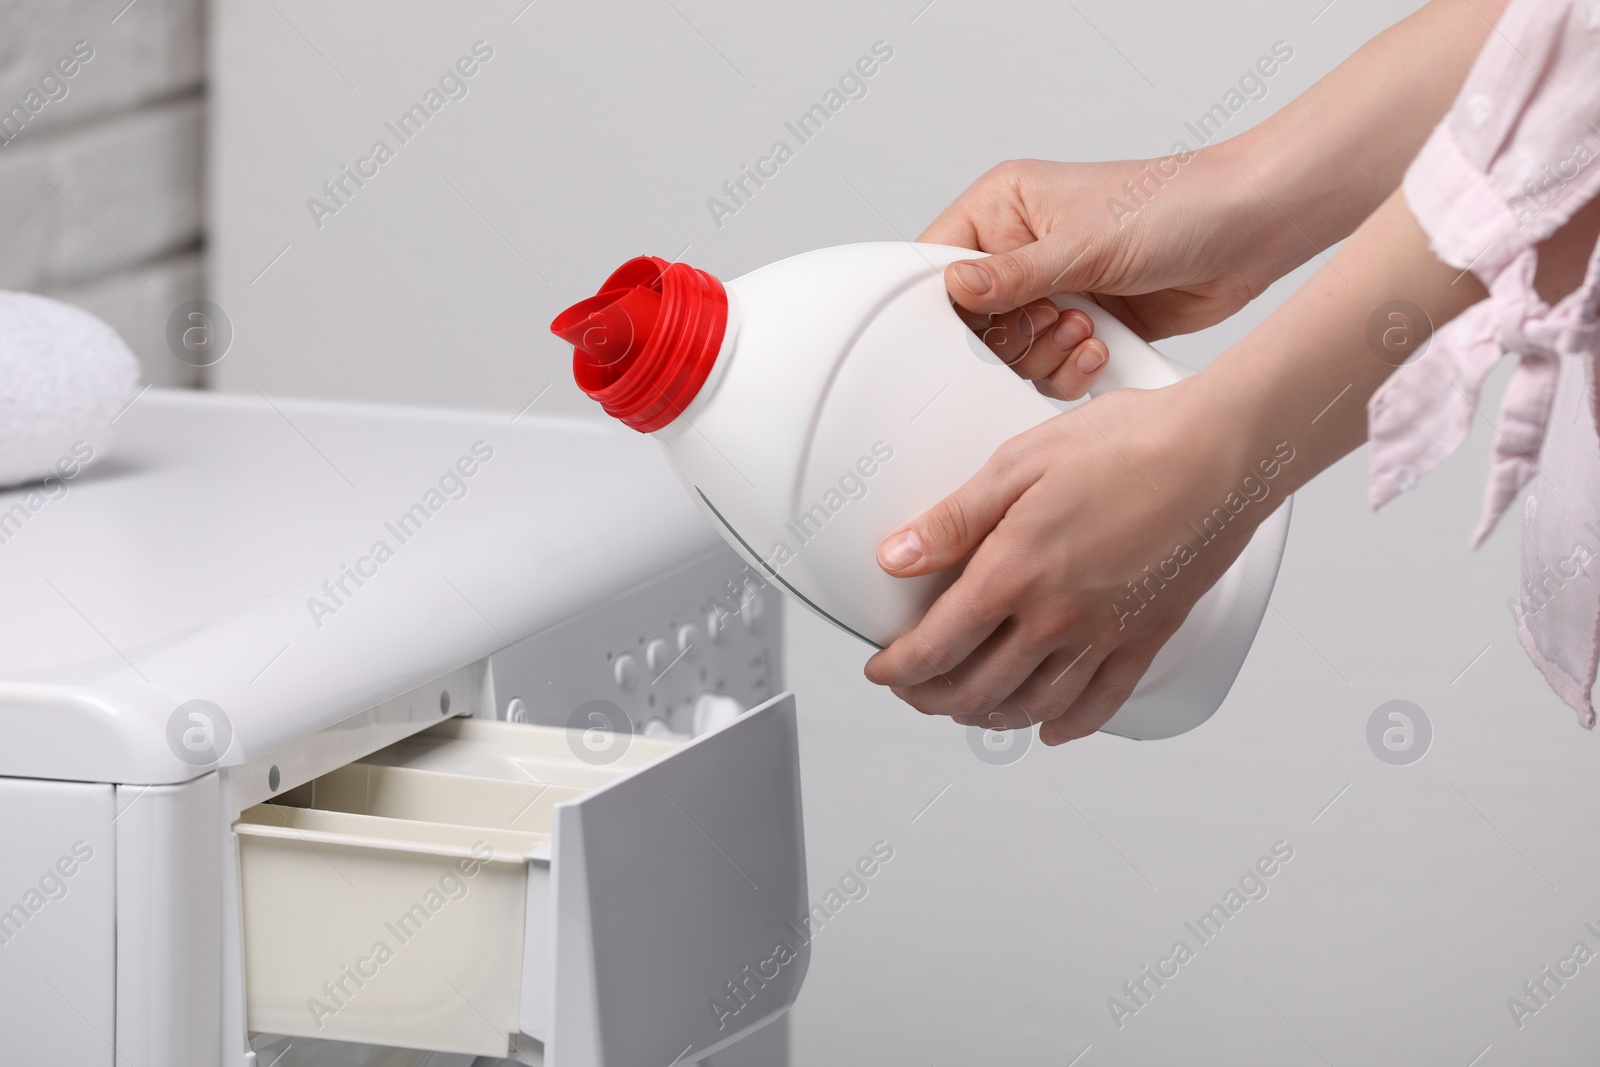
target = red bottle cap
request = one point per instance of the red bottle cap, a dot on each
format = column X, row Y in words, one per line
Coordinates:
column 645, row 343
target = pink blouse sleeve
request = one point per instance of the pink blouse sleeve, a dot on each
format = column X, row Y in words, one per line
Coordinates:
column 1516, row 157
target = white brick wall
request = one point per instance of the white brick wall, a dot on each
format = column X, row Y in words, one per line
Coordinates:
column 92, row 200
column 152, row 50
column 100, row 188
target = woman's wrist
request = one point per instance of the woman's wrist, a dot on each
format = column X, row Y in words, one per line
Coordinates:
column 1242, row 191
column 1306, row 374
column 1238, row 418
column 1294, row 211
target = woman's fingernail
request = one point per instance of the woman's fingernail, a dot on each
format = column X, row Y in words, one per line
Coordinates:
column 1073, row 329
column 974, row 277
column 901, row 550
column 1091, row 359
column 1039, row 318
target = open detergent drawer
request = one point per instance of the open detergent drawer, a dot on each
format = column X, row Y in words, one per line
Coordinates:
column 507, row 890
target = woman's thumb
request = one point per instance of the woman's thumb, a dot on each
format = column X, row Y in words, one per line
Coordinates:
column 1010, row 279
column 947, row 532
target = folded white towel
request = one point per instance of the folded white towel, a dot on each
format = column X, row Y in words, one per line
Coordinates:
column 64, row 375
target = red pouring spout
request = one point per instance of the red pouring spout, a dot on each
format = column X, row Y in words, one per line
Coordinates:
column 646, row 342
column 605, row 327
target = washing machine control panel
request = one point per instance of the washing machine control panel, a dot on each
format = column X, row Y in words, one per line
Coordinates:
column 673, row 658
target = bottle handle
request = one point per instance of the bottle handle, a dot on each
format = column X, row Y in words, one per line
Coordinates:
column 1134, row 364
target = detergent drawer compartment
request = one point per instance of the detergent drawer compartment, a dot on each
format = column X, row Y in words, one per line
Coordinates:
column 567, row 897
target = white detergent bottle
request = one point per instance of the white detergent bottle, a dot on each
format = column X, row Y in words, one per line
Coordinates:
column 816, row 405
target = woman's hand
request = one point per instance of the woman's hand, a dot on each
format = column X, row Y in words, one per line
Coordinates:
column 1166, row 245
column 1075, row 579
column 1040, row 627
column 1084, row 551
column 1176, row 244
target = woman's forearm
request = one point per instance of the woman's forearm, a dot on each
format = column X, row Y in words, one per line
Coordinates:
column 1325, row 161
column 1305, row 375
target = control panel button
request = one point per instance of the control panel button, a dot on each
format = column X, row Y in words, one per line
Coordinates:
column 751, row 608
column 656, row 657
column 626, row 672
column 713, row 712
column 687, row 636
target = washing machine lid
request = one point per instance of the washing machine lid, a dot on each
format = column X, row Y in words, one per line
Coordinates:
column 295, row 561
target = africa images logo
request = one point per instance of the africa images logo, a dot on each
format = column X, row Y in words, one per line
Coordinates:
column 199, row 733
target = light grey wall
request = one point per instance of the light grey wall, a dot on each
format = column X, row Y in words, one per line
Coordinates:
column 599, row 132
column 1020, row 897
column 100, row 179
